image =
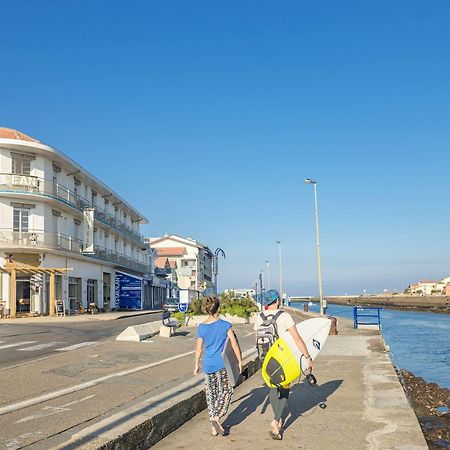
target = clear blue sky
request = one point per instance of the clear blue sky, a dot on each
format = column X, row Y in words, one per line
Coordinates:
column 207, row 116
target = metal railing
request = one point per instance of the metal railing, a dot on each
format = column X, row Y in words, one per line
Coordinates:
column 46, row 240
column 37, row 185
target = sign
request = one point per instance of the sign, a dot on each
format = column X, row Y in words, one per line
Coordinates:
column 128, row 291
column 184, row 296
column 183, row 307
column 19, row 180
column 88, row 231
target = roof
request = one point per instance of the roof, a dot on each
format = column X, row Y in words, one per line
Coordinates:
column 9, row 133
column 173, row 237
column 161, row 262
column 171, row 251
column 427, row 282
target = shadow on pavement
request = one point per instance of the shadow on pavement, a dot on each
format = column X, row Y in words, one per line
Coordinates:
column 303, row 397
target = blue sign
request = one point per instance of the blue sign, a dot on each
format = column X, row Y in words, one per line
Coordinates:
column 128, row 291
column 182, row 307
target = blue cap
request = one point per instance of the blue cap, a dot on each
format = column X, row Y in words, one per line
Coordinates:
column 270, row 296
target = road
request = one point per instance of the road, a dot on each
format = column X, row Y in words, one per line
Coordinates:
column 20, row 343
column 46, row 399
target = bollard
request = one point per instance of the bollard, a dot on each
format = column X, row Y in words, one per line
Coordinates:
column 333, row 329
column 305, row 307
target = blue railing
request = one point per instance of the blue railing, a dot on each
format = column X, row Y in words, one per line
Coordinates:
column 366, row 316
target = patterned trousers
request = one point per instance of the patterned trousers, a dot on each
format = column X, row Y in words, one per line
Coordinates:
column 218, row 392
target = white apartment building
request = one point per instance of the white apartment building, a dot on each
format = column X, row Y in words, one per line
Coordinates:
column 55, row 215
column 191, row 258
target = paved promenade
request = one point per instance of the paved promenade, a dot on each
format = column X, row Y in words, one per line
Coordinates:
column 363, row 406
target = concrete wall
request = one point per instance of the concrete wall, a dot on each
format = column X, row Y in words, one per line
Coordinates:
column 422, row 302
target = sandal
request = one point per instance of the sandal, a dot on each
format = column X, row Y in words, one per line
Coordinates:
column 217, row 427
column 276, row 436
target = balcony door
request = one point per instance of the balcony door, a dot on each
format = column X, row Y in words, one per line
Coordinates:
column 20, row 225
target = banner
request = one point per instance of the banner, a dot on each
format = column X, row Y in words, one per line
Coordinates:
column 88, row 231
column 128, row 290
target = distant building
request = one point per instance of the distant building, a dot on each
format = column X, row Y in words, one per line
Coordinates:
column 426, row 287
column 190, row 259
column 241, row 293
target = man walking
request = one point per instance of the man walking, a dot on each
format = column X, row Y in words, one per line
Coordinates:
column 279, row 396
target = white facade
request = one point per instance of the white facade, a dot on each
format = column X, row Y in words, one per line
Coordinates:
column 193, row 259
column 43, row 199
column 241, row 293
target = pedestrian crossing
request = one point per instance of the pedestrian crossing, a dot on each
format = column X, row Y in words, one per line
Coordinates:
column 34, row 346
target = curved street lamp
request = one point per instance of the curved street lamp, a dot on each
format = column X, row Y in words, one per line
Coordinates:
column 218, row 252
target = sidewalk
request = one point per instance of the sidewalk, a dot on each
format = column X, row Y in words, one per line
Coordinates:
column 112, row 315
column 358, row 403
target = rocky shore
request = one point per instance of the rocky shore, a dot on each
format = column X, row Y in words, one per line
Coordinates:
column 431, row 404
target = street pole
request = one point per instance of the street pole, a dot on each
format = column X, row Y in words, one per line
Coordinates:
column 281, row 272
column 319, row 269
column 268, row 275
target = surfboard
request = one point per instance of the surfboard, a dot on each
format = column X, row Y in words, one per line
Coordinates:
column 284, row 362
column 231, row 362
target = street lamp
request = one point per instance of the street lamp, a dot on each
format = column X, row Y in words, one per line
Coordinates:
column 218, row 252
column 279, row 261
column 319, row 271
column 268, row 275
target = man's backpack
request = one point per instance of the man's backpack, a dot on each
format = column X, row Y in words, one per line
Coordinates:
column 267, row 333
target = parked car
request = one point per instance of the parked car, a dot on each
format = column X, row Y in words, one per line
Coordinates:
column 170, row 304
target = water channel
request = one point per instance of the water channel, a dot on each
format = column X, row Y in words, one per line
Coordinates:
column 419, row 341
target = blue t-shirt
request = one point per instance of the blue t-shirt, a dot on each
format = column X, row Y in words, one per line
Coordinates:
column 214, row 336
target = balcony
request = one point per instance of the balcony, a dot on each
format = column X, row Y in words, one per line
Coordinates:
column 36, row 185
column 44, row 240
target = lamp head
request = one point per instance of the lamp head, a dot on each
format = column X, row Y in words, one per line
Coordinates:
column 309, row 181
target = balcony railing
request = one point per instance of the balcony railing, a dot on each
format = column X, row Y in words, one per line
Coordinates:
column 28, row 183
column 46, row 240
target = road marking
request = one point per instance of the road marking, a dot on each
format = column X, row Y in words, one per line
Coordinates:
column 16, row 344
column 79, row 387
column 249, row 334
column 38, row 347
column 51, row 410
column 74, row 347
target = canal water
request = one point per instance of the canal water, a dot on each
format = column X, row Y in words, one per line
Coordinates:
column 419, row 341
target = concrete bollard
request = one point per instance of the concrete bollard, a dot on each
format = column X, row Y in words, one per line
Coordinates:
column 333, row 329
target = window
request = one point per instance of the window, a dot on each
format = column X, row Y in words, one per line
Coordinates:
column 20, row 220
column 93, row 197
column 21, row 164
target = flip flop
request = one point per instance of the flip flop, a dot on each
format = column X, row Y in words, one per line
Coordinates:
column 218, row 429
column 276, row 436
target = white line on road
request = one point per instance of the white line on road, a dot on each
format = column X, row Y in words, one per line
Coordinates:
column 79, row 387
column 74, row 347
column 51, row 410
column 249, row 334
column 38, row 347
column 16, row 344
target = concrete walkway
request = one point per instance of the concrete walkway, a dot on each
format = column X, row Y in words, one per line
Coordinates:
column 112, row 315
column 358, row 403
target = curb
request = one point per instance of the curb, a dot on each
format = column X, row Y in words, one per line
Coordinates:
column 143, row 425
column 143, row 313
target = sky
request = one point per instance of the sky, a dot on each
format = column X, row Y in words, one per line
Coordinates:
column 207, row 117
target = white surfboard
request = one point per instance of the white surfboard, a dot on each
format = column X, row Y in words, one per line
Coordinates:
column 231, row 362
column 284, row 361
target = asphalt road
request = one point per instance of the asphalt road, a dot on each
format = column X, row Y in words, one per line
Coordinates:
column 21, row 343
column 44, row 402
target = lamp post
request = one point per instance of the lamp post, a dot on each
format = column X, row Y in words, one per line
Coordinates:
column 319, row 271
column 218, row 252
column 268, row 274
column 281, row 272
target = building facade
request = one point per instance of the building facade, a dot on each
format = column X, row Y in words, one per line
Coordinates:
column 191, row 260
column 66, row 237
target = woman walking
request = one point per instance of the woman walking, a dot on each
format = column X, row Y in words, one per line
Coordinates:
column 211, row 337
